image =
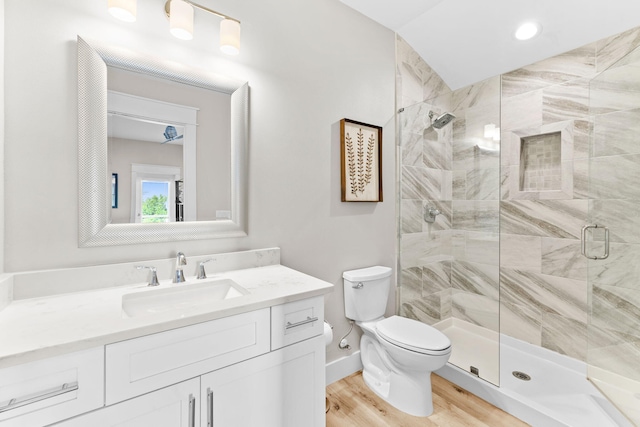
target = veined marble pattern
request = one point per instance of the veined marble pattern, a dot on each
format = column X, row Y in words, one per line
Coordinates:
column 566, row 101
column 616, row 308
column 483, row 184
column 411, row 144
column 481, row 279
column 549, row 294
column 522, row 111
column 410, row 83
column 614, row 351
column 436, row 277
column 615, row 90
column 521, row 252
column 616, row 133
column 475, row 215
column 576, row 63
column 419, row 249
column 564, row 335
column 521, row 322
column 459, row 185
column 615, row 177
column 562, row 258
column 422, row 183
column 621, row 216
column 580, row 178
column 545, row 218
column 620, row 269
column 582, row 132
column 477, row 309
column 468, row 155
column 611, row 49
column 484, row 93
column 425, row 310
column 411, row 216
column 415, row 118
column 436, row 154
column 410, row 283
column 477, row 247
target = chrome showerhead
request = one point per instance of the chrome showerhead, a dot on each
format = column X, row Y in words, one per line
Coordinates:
column 442, row 120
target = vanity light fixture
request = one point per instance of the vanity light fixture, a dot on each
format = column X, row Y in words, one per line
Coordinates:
column 180, row 14
column 528, row 30
column 124, row 10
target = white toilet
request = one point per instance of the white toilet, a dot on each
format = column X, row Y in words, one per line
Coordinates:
column 398, row 354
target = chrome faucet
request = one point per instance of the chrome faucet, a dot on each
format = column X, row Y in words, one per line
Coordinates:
column 180, row 261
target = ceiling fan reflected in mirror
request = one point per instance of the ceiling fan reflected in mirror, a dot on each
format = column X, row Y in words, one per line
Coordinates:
column 171, row 134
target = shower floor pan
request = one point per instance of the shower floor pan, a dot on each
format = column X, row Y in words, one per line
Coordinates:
column 557, row 395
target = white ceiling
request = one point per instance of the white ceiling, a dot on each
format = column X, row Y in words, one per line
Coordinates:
column 466, row 41
column 136, row 129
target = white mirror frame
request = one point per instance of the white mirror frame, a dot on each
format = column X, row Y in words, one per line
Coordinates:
column 94, row 191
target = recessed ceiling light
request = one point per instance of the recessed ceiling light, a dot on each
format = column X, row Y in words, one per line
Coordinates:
column 528, row 30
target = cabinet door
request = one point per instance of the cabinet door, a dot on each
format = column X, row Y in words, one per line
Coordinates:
column 284, row 388
column 174, row 406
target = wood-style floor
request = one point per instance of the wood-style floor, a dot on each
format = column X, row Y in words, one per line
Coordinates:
column 353, row 404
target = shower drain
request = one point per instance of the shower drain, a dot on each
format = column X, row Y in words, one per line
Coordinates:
column 521, row 376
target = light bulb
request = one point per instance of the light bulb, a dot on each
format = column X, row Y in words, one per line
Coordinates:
column 124, row 10
column 181, row 19
column 230, row 36
column 528, row 30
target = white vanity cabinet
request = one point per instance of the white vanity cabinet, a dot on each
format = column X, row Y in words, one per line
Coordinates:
column 261, row 368
column 284, row 388
column 174, row 406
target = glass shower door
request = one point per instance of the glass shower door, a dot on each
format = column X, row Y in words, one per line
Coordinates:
column 612, row 241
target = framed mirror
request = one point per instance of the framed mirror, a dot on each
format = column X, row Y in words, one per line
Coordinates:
column 101, row 109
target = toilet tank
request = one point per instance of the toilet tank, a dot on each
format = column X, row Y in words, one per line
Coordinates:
column 366, row 292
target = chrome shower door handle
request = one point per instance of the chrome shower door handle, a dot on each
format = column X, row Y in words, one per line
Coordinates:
column 584, row 242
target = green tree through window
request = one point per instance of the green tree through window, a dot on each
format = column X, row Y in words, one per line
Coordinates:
column 154, row 209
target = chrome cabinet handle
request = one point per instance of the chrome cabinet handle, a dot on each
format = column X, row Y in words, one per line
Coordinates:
column 209, row 408
column 302, row 322
column 17, row 402
column 584, row 242
column 192, row 411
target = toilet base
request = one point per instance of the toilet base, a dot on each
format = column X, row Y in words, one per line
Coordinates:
column 406, row 390
column 406, row 394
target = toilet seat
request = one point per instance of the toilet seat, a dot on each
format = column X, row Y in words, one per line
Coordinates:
column 413, row 335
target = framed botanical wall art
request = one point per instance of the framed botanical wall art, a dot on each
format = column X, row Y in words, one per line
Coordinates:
column 360, row 161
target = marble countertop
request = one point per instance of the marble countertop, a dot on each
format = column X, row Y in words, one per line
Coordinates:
column 37, row 328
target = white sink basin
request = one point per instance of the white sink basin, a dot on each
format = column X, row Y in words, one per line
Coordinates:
column 180, row 296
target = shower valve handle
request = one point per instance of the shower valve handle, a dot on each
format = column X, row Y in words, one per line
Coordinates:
column 430, row 214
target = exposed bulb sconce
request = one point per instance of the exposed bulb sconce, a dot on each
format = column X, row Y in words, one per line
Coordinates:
column 180, row 14
column 124, row 10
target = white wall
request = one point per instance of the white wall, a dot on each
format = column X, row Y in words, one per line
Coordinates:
column 309, row 64
column 2, row 224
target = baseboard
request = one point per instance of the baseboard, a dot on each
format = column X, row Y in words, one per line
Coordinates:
column 343, row 367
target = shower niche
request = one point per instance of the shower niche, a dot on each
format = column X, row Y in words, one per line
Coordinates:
column 541, row 163
column 540, row 159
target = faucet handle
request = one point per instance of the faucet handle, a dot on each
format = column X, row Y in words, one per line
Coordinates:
column 201, row 273
column 154, row 275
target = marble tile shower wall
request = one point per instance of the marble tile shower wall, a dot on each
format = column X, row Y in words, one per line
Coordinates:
column 542, row 278
column 425, row 178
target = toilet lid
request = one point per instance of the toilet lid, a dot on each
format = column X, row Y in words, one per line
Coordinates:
column 412, row 335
